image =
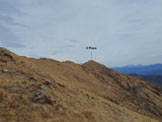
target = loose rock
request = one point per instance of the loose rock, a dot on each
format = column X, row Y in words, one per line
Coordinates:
column 14, row 89
column 39, row 95
column 7, row 71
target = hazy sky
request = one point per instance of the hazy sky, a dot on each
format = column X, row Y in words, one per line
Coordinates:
column 124, row 31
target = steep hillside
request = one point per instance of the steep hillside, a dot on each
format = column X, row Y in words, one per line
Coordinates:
column 44, row 90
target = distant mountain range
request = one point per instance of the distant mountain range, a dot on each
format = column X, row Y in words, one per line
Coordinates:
column 145, row 72
column 154, row 69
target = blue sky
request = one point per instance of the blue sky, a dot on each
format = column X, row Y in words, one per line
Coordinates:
column 124, row 31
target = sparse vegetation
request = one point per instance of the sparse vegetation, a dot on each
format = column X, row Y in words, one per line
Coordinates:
column 43, row 90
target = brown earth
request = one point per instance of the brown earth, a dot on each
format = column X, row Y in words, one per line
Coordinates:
column 45, row 90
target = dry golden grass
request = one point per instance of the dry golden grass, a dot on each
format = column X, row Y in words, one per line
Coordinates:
column 44, row 90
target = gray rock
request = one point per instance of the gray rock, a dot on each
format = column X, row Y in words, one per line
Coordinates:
column 41, row 71
column 14, row 89
column 19, row 77
column 44, row 86
column 39, row 95
column 7, row 71
column 6, row 53
column 54, row 85
column 129, row 117
column 47, row 80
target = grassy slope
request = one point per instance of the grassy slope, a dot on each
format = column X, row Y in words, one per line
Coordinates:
column 72, row 92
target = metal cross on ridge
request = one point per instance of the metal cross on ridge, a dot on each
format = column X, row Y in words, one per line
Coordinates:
column 91, row 50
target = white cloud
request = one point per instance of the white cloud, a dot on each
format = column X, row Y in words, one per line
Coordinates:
column 125, row 32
